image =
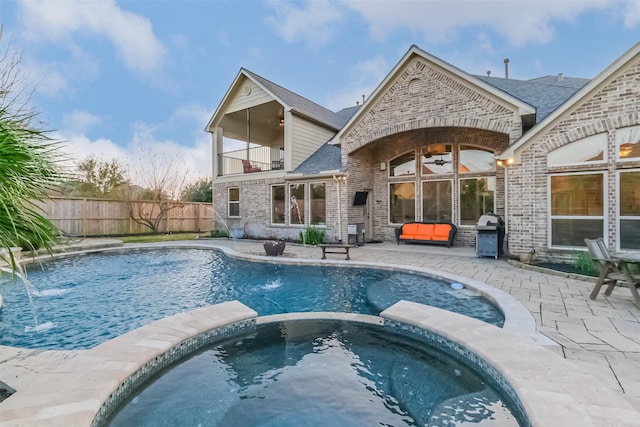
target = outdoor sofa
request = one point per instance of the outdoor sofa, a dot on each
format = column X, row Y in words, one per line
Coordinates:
column 438, row 233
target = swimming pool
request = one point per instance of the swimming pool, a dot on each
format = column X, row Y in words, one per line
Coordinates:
column 317, row 372
column 81, row 301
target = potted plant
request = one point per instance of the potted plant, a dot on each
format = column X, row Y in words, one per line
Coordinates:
column 274, row 247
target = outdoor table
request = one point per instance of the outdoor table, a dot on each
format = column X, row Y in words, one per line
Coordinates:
column 623, row 260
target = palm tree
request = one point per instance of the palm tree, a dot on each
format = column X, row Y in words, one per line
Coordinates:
column 28, row 169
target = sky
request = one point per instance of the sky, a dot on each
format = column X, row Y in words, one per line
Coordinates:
column 133, row 80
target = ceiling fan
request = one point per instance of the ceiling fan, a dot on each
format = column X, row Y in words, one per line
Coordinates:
column 437, row 162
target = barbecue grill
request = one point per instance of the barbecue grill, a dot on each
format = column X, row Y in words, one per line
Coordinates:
column 489, row 235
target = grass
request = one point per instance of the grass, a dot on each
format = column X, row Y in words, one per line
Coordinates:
column 151, row 238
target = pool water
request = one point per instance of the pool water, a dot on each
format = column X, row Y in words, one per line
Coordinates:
column 316, row 373
column 81, row 301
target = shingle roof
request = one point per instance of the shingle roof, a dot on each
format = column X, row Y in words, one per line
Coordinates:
column 300, row 104
column 325, row 158
column 546, row 93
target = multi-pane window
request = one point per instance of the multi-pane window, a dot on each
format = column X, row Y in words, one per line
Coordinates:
column 278, row 206
column 403, row 165
column 318, row 203
column 296, row 204
column 577, row 208
column 477, row 197
column 436, row 201
column 402, row 202
column 234, row 202
column 629, row 207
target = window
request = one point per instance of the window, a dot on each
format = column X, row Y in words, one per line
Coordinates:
column 629, row 207
column 278, row 208
column 402, row 202
column 477, row 197
column 296, row 204
column 234, row 202
column 318, row 203
column 587, row 150
column 577, row 208
column 436, row 201
column 435, row 164
column 628, row 143
column 403, row 165
column 475, row 159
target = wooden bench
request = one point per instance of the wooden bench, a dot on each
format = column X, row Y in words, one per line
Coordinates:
column 341, row 249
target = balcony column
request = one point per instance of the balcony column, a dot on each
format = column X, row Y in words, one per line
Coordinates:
column 217, row 147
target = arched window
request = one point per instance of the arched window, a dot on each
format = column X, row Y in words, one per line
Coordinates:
column 586, row 150
column 476, row 159
column 403, row 165
column 628, row 143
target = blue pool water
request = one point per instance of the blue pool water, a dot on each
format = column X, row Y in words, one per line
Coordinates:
column 317, row 373
column 81, row 301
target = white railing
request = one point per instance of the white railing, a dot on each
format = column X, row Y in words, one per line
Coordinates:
column 250, row 160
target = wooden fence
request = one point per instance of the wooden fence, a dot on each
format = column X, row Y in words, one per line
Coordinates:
column 101, row 217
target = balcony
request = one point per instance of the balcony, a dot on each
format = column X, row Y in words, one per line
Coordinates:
column 250, row 160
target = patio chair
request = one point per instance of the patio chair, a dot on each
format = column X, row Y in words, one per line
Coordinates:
column 612, row 272
column 246, row 166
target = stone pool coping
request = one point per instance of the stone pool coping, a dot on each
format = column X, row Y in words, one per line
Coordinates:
column 551, row 389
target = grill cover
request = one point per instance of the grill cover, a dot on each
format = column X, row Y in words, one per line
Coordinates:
column 490, row 220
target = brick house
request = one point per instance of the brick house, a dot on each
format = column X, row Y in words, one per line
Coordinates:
column 557, row 157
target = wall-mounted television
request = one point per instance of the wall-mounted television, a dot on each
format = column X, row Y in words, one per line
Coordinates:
column 360, row 199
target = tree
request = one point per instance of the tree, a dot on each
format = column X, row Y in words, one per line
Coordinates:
column 29, row 165
column 98, row 178
column 199, row 191
column 160, row 181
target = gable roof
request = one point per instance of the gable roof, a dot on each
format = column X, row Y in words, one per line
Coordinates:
column 287, row 98
column 577, row 99
column 523, row 107
column 297, row 103
column 546, row 93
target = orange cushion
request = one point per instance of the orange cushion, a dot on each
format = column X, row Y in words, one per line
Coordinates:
column 425, row 231
column 408, row 236
column 410, row 229
column 441, row 232
column 422, row 237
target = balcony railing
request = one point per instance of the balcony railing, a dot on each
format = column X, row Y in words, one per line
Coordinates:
column 251, row 160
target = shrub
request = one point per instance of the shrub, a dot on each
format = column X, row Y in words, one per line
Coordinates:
column 219, row 233
column 312, row 236
column 584, row 264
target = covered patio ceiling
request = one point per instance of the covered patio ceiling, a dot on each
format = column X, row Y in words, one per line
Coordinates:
column 260, row 124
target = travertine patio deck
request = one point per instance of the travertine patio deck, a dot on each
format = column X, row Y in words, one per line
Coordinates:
column 602, row 337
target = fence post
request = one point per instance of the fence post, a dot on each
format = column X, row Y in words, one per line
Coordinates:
column 84, row 217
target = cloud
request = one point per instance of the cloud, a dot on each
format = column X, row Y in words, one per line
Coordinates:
column 131, row 34
column 313, row 22
column 143, row 148
column 364, row 77
column 632, row 14
column 438, row 21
